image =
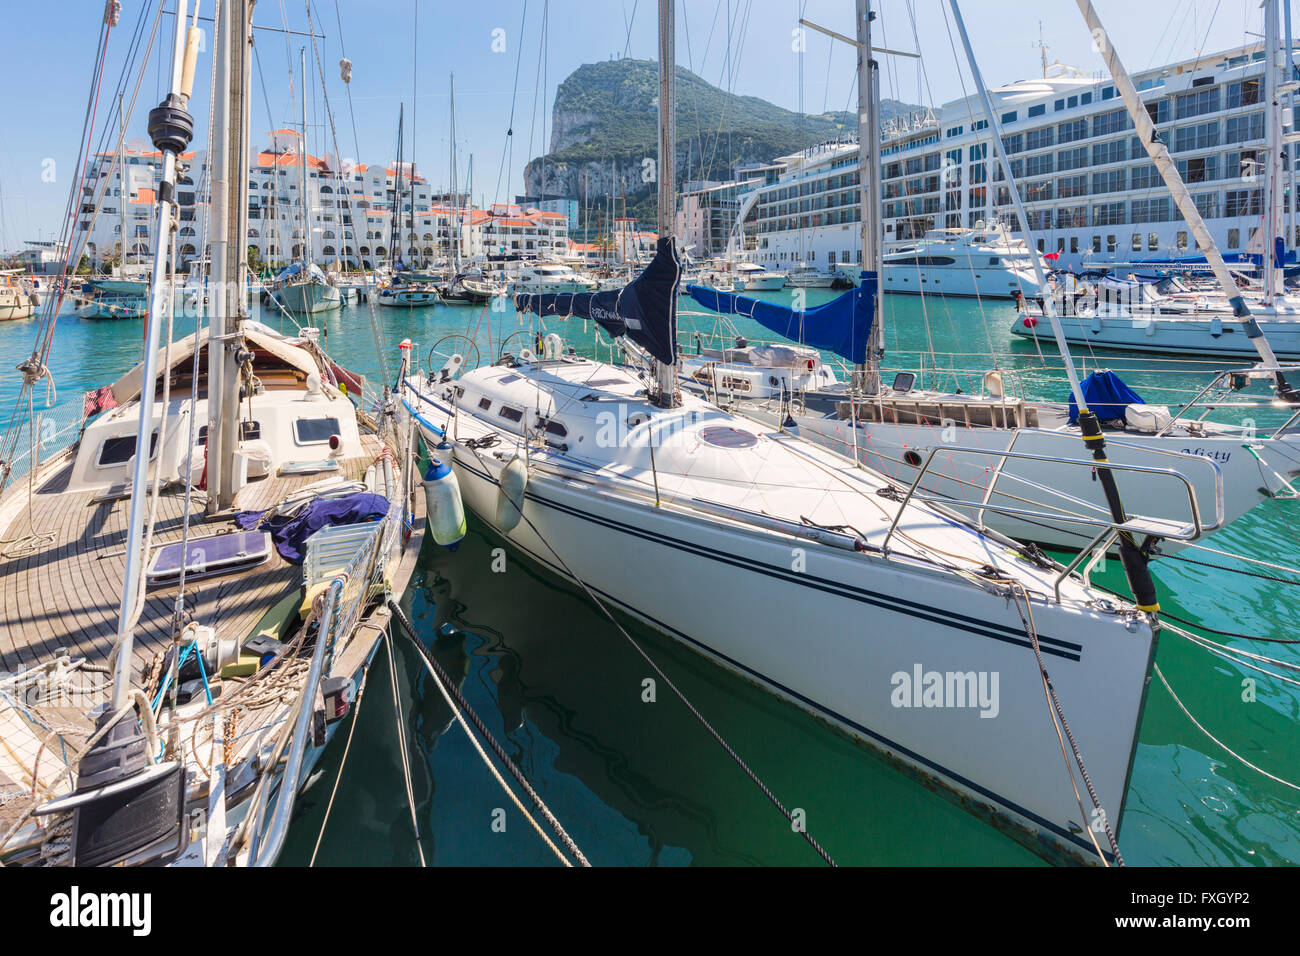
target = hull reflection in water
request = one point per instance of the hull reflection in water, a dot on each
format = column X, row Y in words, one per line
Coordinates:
column 634, row 782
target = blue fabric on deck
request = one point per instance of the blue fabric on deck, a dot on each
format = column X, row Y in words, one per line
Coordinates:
column 841, row 325
column 1107, row 397
column 290, row 532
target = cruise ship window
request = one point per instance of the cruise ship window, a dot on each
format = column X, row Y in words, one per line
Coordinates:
column 1038, row 110
column 1111, row 243
column 1096, row 243
column 1182, row 240
column 1074, row 243
column 1153, row 241
column 1137, row 242
column 1234, row 238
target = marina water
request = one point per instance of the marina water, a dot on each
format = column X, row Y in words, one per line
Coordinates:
column 639, row 782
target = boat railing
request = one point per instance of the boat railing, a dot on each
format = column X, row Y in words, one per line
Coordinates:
column 1225, row 378
column 341, row 607
column 51, row 428
column 1108, row 529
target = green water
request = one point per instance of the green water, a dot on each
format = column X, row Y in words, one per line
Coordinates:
column 641, row 783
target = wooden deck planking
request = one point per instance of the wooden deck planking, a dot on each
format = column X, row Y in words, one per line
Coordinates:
column 67, row 595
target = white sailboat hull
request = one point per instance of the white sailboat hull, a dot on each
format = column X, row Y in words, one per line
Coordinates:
column 1210, row 335
column 1020, row 483
column 308, row 298
column 843, row 635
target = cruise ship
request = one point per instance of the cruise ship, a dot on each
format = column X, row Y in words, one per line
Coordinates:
column 1092, row 196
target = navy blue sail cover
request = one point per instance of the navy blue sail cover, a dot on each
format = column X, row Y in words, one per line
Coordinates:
column 1107, row 397
column 841, row 325
column 645, row 310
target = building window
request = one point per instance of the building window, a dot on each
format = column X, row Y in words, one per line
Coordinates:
column 1197, row 103
column 1075, row 158
column 1039, row 138
column 1116, row 121
column 1244, row 93
column 1243, row 202
column 1072, row 131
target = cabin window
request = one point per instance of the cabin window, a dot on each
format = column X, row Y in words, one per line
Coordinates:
column 314, row 431
column 118, row 451
column 485, row 403
column 511, row 414
column 552, row 427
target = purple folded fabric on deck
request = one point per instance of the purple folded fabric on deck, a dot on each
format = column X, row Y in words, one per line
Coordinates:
column 290, row 533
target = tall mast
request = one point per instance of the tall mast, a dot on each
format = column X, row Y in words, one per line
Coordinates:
column 995, row 134
column 868, row 375
column 1273, row 165
column 126, row 185
column 667, row 372
column 1164, row 163
column 302, row 164
column 170, row 127
column 395, row 223
column 1289, row 84
column 229, row 211
column 455, row 195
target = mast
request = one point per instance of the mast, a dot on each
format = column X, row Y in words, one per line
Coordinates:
column 995, row 134
column 1273, row 168
column 1289, row 84
column 229, row 211
column 867, row 376
column 1159, row 153
column 126, row 186
column 455, row 195
column 395, row 223
column 302, row 164
column 1132, row 557
column 170, row 127
column 667, row 373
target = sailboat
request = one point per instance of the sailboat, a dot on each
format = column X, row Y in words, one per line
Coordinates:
column 16, row 300
column 404, row 289
column 205, row 570
column 789, row 565
column 996, row 447
column 302, row 287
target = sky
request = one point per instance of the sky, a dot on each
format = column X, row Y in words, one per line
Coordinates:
column 508, row 57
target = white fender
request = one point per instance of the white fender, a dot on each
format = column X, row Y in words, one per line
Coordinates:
column 552, row 346
column 510, row 498
column 446, row 511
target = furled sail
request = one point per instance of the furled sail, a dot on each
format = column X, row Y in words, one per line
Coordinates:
column 841, row 326
column 645, row 310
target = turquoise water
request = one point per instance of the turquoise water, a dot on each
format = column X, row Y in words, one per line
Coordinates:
column 642, row 784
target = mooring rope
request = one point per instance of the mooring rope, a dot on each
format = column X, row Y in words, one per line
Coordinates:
column 457, row 703
column 1027, row 617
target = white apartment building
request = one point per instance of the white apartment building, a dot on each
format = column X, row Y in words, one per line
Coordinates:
column 349, row 212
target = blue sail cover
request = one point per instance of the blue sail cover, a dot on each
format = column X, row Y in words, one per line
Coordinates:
column 645, row 310
column 841, row 325
column 1107, row 397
